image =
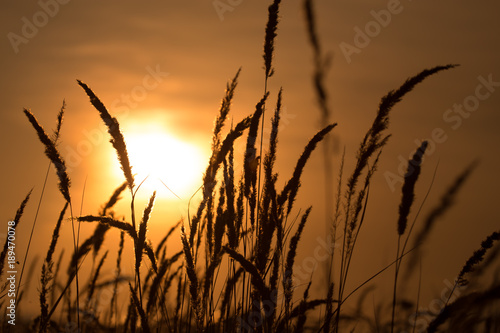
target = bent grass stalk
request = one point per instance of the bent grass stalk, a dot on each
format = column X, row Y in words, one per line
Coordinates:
column 64, row 184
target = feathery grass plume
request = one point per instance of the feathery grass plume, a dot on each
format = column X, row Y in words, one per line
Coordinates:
column 209, row 226
column 239, row 213
column 158, row 278
column 60, row 116
column 228, row 142
column 321, row 64
column 116, row 136
column 476, row 258
column 372, row 140
column 112, row 200
column 97, row 239
column 93, row 283
column 124, row 226
column 221, row 220
column 141, row 238
column 16, row 221
column 215, row 160
column 118, row 271
column 251, row 159
column 76, row 258
column 230, row 213
column 353, row 225
column 446, row 202
column 408, row 190
column 488, row 261
column 290, row 259
column 140, row 310
column 193, row 280
column 53, row 154
column 209, row 281
column 257, row 281
column 268, row 218
column 337, row 213
column 229, row 289
column 271, row 27
column 270, row 157
column 209, row 181
column 224, row 111
column 46, row 275
column 312, row 33
column 460, row 309
column 408, row 195
column 276, row 260
column 100, row 231
column 267, row 224
column 290, row 190
column 168, row 281
column 150, row 253
column 131, row 319
column 329, row 309
column 260, row 292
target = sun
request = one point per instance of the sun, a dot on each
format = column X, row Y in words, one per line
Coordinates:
column 161, row 161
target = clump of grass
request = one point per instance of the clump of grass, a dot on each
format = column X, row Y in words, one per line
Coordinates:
column 235, row 270
column 47, row 273
column 271, row 28
column 292, row 253
column 477, row 258
column 369, row 150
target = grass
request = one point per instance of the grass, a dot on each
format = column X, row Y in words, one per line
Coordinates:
column 235, row 271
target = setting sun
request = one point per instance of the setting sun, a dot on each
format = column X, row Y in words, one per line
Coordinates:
column 166, row 164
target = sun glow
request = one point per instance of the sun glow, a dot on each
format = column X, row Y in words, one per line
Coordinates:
column 162, row 162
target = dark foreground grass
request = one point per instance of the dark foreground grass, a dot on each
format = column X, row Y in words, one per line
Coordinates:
column 235, row 271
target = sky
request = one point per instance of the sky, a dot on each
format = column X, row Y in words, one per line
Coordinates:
column 164, row 66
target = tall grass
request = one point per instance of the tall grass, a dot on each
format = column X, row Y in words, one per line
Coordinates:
column 236, row 268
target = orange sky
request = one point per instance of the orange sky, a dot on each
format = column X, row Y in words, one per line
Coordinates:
column 183, row 53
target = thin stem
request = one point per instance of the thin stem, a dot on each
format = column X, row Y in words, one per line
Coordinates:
column 398, row 263
column 32, row 230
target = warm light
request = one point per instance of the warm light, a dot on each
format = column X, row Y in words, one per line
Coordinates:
column 166, row 164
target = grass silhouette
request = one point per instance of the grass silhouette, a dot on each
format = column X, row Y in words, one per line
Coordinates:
column 235, row 271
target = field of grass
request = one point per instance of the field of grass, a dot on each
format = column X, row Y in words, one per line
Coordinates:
column 236, row 270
